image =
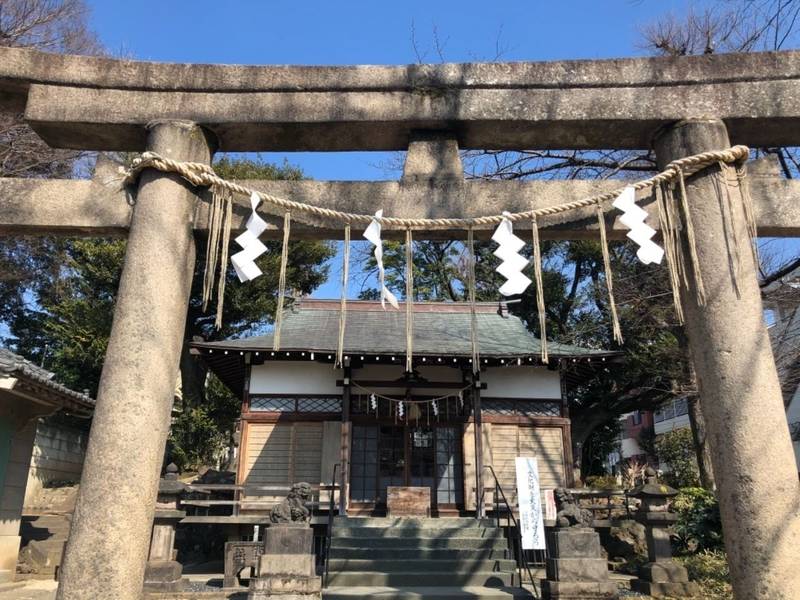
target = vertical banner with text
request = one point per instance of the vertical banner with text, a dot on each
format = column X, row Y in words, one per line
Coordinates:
column 530, row 504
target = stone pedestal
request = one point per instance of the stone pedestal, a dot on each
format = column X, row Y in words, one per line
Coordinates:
column 163, row 573
column 576, row 569
column 286, row 569
column 661, row 577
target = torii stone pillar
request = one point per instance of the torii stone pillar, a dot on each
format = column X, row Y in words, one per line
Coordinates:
column 751, row 449
column 108, row 545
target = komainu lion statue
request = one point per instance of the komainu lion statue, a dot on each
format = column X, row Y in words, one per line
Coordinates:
column 293, row 508
column 569, row 513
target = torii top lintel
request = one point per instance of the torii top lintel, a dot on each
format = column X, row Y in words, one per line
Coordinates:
column 104, row 104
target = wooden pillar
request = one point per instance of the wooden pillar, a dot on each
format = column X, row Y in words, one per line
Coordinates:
column 108, row 545
column 752, row 454
column 344, row 463
column 480, row 509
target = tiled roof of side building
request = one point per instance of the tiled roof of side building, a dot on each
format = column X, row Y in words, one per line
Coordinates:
column 13, row 365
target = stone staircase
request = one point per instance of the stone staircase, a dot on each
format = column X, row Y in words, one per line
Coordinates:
column 43, row 541
column 420, row 559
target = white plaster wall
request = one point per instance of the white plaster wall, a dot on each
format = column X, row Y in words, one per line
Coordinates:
column 521, row 382
column 294, row 377
column 298, row 377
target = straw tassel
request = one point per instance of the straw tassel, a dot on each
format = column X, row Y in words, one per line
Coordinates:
column 276, row 336
column 612, row 305
column 343, row 306
column 669, row 237
column 223, row 270
column 473, row 322
column 409, row 301
column 687, row 222
column 537, row 275
column 749, row 211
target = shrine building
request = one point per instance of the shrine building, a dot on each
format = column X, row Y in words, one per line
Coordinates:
column 389, row 427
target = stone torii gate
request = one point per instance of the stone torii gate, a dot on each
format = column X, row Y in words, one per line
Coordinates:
column 679, row 106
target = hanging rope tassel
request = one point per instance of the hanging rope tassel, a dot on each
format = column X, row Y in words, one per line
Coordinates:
column 409, row 301
column 537, row 275
column 669, row 237
column 689, row 227
column 223, row 269
column 612, row 305
column 211, row 247
column 473, row 322
column 276, row 336
column 749, row 211
column 343, row 306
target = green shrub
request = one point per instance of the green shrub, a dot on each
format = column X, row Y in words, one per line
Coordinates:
column 676, row 449
column 710, row 570
column 699, row 527
column 602, row 482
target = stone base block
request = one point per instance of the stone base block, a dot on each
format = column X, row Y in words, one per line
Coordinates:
column 577, row 569
column 664, row 572
column 163, row 576
column 666, row 589
column 288, row 551
column 285, row 588
column 574, row 542
column 573, row 590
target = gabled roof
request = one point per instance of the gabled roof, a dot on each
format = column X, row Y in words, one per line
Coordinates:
column 441, row 329
column 14, row 366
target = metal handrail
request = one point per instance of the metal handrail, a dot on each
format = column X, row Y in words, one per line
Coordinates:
column 515, row 549
column 331, row 505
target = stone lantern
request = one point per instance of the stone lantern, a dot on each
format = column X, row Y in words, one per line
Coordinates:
column 661, row 577
column 163, row 572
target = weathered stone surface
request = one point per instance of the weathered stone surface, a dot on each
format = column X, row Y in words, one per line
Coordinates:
column 288, row 550
column 751, row 450
column 671, row 589
column 108, row 545
column 573, row 543
column 163, row 575
column 625, row 540
column 577, row 569
column 101, row 207
column 105, row 104
column 408, row 501
column 663, row 571
column 570, row 590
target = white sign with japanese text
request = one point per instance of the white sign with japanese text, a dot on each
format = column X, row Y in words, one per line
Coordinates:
column 530, row 504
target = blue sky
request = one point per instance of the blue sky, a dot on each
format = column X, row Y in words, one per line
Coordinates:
column 375, row 32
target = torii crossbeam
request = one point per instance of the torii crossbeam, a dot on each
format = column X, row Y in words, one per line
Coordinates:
column 680, row 106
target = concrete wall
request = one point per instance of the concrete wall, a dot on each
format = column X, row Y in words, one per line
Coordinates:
column 58, row 453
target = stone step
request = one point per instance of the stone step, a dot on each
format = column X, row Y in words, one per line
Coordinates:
column 421, row 565
column 413, row 522
column 425, row 593
column 422, row 533
column 418, row 553
column 46, row 553
column 455, row 543
column 410, row 579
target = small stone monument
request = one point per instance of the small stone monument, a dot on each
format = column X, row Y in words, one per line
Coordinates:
column 576, row 569
column 163, row 573
column 286, row 568
column 661, row 577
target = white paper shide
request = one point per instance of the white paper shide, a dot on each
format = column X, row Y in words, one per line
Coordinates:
column 244, row 261
column 373, row 234
column 513, row 263
column 640, row 232
column 530, row 504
